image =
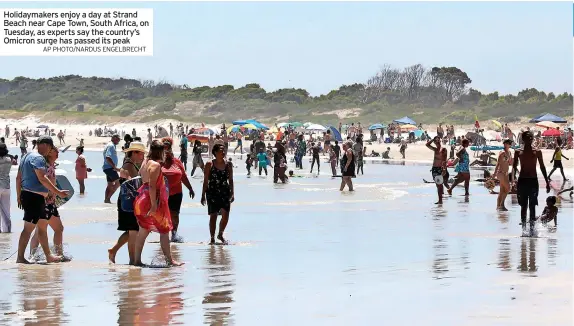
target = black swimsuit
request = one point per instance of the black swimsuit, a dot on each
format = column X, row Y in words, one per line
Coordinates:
column 127, row 221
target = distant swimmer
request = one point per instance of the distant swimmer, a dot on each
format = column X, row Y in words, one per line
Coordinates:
column 527, row 184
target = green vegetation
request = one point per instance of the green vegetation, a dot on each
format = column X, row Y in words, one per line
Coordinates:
column 427, row 95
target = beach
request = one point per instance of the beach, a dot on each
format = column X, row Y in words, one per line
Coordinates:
column 305, row 253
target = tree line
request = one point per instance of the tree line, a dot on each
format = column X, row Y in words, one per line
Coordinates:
column 442, row 91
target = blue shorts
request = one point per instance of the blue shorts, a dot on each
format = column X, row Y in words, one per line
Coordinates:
column 111, row 175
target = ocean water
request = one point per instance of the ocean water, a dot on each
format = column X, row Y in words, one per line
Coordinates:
column 304, row 253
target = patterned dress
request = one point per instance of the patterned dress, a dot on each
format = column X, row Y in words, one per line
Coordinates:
column 463, row 163
column 218, row 194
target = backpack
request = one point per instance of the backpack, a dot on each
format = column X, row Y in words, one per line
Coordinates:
column 128, row 193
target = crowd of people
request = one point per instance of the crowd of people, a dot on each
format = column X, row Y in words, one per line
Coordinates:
column 151, row 178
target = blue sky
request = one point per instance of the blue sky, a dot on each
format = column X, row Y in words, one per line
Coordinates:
column 319, row 46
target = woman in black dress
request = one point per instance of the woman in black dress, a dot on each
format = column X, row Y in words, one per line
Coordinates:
column 218, row 191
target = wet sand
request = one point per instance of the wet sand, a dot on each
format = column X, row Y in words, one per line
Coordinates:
column 304, row 253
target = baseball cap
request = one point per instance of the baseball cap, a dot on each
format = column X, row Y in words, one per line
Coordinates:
column 45, row 140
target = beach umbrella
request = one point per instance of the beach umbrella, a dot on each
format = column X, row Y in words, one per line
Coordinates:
column 548, row 117
column 547, row 124
column 551, row 133
column 42, row 126
column 204, row 131
column 295, row 124
column 315, row 127
column 250, row 126
column 376, row 126
column 282, row 124
column 405, row 121
column 233, row 129
column 408, row 127
column 257, row 124
column 497, row 123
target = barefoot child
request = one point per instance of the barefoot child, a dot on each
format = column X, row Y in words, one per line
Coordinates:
column 248, row 163
column 550, row 212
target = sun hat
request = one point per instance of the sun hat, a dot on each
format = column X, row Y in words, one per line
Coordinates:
column 135, row 147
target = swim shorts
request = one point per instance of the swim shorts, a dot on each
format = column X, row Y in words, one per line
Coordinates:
column 111, row 175
column 527, row 191
column 174, row 202
column 33, row 206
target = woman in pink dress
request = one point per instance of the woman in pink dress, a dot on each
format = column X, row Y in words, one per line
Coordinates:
column 151, row 206
column 81, row 168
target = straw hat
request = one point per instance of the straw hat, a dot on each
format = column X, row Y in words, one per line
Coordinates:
column 136, row 147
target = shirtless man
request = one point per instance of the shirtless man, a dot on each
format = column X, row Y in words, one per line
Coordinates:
column 527, row 185
column 438, row 165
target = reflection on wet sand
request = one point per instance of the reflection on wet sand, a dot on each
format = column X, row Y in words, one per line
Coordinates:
column 504, row 255
column 552, row 249
column 528, row 256
column 149, row 296
column 41, row 294
column 221, row 285
column 440, row 261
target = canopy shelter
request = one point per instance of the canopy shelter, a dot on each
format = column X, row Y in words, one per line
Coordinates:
column 336, row 134
column 405, row 121
column 548, row 117
column 256, row 123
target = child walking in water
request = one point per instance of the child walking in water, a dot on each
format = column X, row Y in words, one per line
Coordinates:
column 248, row 163
column 81, row 169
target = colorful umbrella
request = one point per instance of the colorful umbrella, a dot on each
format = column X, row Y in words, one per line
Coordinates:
column 233, row 129
column 408, row 127
column 496, row 123
column 551, row 133
column 250, row 126
column 547, row 124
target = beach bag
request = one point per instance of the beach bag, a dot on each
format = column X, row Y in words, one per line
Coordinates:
column 128, row 193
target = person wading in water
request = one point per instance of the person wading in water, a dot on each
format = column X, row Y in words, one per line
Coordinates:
column 463, row 169
column 127, row 221
column 438, row 165
column 347, row 166
column 218, row 191
column 527, row 184
column 501, row 173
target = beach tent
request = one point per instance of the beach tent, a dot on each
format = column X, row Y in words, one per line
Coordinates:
column 548, row 117
column 336, row 134
column 405, row 121
column 377, row 126
column 418, row 133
